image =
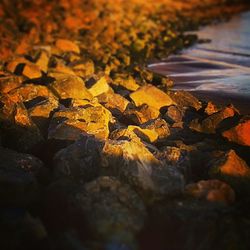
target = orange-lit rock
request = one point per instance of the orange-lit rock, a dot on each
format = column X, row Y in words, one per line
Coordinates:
column 240, row 133
column 151, row 96
column 9, row 82
column 212, row 122
column 99, row 86
column 230, row 165
column 31, row 71
column 211, row 108
column 211, row 190
column 126, row 81
column 67, row 46
column 68, row 86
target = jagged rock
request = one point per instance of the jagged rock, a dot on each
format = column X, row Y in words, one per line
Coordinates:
column 67, row 46
column 210, row 108
column 140, row 115
column 42, row 60
column 16, row 65
column 19, row 177
column 31, row 71
column 240, row 133
column 173, row 115
column 185, row 99
column 98, row 85
column 69, row 86
column 125, row 81
column 113, row 210
column 69, row 124
column 151, row 96
column 79, row 161
column 113, row 102
column 10, row 82
column 134, row 163
column 211, row 190
column 83, row 68
column 210, row 124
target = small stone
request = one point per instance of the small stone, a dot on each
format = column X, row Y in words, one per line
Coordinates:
column 67, row 46
column 173, row 114
column 212, row 191
column 239, row 134
column 151, row 96
column 10, row 82
column 210, row 108
column 125, row 81
column 31, row 71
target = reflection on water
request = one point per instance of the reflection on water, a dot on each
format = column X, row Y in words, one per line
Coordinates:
column 222, row 66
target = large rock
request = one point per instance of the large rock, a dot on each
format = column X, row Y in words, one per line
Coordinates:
column 240, row 133
column 19, row 177
column 114, row 212
column 69, row 86
column 134, row 163
column 79, row 161
column 151, row 96
column 68, row 124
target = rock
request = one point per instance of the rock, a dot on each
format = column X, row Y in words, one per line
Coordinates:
column 134, row 163
column 114, row 212
column 67, row 46
column 173, row 115
column 210, row 108
column 210, row 124
column 185, row 99
column 141, row 114
column 31, row 71
column 10, row 82
column 230, row 165
column 16, row 65
column 19, row 178
column 151, row 96
column 98, row 85
column 83, row 67
column 240, row 133
column 125, row 81
column 42, row 60
column 69, row 124
column 115, row 103
column 79, row 161
column 211, row 190
column 69, row 86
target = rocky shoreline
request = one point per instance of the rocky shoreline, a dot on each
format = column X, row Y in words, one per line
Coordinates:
column 96, row 151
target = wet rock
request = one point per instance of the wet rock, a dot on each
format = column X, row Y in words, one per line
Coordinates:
column 141, row 114
column 67, row 46
column 79, row 161
column 210, row 124
column 68, row 86
column 151, row 96
column 134, row 163
column 114, row 212
column 19, row 177
column 69, row 124
column 240, row 133
column 211, row 190
column 185, row 99
column 9, row 82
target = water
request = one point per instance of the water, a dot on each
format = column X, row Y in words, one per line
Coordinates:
column 217, row 70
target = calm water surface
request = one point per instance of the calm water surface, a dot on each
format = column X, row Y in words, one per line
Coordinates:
column 217, row 70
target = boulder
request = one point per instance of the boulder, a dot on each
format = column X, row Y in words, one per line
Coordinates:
column 69, row 124
column 69, row 86
column 240, row 133
column 135, row 164
column 151, row 96
column 19, row 177
column 79, row 161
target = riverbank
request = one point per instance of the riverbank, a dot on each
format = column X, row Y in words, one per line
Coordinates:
column 96, row 151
